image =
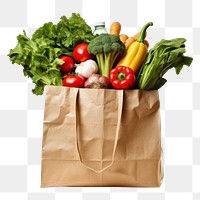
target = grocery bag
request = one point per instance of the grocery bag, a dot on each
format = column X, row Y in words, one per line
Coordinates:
column 101, row 137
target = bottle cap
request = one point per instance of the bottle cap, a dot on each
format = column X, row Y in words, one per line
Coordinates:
column 99, row 24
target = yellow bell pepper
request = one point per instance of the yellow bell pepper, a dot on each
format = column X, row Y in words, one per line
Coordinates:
column 137, row 52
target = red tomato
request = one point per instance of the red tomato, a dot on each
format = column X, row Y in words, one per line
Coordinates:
column 74, row 81
column 68, row 64
column 81, row 54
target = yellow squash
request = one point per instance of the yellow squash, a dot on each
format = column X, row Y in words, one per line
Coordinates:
column 136, row 52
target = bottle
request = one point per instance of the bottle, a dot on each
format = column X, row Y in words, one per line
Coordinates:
column 99, row 27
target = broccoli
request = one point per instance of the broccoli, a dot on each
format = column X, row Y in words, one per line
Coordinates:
column 108, row 49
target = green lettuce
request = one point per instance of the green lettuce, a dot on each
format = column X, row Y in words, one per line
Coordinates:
column 39, row 55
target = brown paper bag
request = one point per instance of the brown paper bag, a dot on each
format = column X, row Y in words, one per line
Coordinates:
column 101, row 137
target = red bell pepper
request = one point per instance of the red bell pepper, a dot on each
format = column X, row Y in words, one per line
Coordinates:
column 122, row 77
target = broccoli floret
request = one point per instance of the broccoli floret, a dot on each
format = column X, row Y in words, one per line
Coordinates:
column 108, row 49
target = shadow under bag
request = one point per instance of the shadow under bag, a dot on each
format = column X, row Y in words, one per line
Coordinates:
column 101, row 137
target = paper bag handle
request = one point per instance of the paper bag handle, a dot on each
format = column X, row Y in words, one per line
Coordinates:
column 120, row 106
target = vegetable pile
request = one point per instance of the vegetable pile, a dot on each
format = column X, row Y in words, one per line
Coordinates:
column 39, row 55
column 69, row 54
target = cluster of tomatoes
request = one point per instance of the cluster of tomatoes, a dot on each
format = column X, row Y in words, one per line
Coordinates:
column 80, row 54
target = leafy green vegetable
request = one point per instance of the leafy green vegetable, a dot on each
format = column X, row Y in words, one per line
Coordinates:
column 65, row 35
column 165, row 55
column 39, row 55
